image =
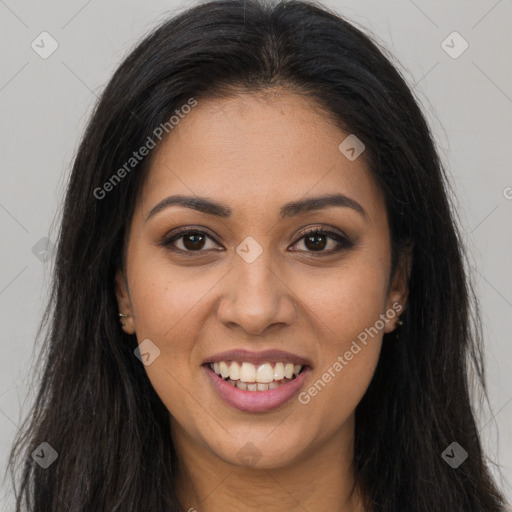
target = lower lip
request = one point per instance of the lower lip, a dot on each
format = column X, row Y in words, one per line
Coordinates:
column 256, row 401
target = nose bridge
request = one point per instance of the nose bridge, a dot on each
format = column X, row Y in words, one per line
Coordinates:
column 256, row 276
column 254, row 280
column 255, row 297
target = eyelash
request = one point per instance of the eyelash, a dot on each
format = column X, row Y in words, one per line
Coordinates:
column 343, row 242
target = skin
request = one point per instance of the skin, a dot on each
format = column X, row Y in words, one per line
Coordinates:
column 255, row 153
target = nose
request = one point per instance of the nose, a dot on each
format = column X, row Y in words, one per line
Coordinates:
column 255, row 298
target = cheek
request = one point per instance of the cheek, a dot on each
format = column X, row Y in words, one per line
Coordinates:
column 166, row 304
column 346, row 312
column 347, row 362
column 346, row 300
column 332, row 395
column 165, row 300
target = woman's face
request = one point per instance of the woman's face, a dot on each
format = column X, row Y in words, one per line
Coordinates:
column 234, row 278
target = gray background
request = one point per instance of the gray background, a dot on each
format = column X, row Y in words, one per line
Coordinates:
column 45, row 104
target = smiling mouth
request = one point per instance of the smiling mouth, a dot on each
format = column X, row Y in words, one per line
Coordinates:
column 249, row 377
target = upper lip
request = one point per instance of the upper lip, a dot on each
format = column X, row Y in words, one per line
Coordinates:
column 265, row 356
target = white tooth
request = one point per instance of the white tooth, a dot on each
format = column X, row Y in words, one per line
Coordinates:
column 224, row 370
column 279, row 371
column 288, row 370
column 262, row 387
column 297, row 368
column 234, row 371
column 216, row 368
column 273, row 385
column 265, row 373
column 252, row 387
column 247, row 372
column 241, row 385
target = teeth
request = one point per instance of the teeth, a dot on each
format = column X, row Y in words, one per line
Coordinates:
column 247, row 372
column 224, row 370
column 250, row 377
column 279, row 371
column 234, row 371
column 256, row 386
column 265, row 373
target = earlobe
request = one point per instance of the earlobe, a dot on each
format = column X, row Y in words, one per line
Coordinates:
column 125, row 314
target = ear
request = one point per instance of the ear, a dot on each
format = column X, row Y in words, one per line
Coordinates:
column 124, row 303
column 399, row 290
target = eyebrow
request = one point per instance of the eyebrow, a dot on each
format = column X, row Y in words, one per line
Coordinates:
column 210, row 207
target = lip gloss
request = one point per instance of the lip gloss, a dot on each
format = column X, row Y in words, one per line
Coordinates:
column 256, row 401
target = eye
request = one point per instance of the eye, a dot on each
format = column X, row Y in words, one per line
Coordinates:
column 190, row 240
column 317, row 240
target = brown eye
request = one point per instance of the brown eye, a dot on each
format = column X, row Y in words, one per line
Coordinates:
column 194, row 241
column 189, row 241
column 317, row 240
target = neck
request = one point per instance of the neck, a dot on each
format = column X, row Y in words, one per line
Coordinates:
column 320, row 479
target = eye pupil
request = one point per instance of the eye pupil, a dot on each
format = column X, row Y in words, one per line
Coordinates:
column 316, row 245
column 193, row 241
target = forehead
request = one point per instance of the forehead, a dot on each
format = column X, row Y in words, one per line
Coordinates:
column 256, row 152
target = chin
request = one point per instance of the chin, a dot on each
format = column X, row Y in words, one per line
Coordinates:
column 260, row 451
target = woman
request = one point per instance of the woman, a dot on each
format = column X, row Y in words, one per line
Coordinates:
column 260, row 300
